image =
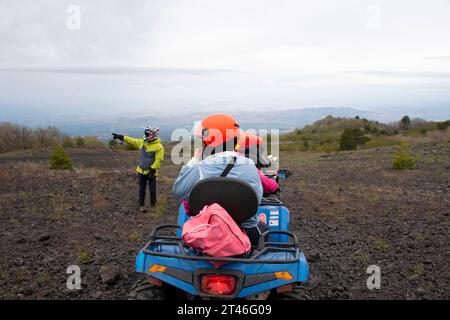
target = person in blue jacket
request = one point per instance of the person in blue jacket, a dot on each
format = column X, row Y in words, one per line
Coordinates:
column 220, row 136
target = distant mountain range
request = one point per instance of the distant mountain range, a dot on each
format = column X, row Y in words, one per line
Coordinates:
column 284, row 120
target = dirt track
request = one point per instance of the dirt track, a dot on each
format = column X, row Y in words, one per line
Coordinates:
column 350, row 210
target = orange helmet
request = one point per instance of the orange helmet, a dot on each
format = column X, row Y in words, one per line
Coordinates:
column 216, row 129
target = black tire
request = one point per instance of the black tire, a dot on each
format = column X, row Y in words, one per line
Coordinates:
column 147, row 291
column 287, row 296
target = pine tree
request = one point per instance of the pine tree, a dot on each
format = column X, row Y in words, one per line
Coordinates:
column 60, row 160
column 405, row 123
column 403, row 159
column 352, row 138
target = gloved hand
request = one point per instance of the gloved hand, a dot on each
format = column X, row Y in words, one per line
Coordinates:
column 152, row 172
column 117, row 136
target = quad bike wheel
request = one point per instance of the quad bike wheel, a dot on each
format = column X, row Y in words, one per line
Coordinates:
column 287, row 296
column 144, row 290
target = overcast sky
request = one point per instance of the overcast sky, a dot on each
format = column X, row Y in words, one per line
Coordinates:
column 138, row 56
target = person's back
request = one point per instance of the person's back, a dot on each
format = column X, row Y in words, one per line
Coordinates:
column 220, row 136
column 250, row 147
column 244, row 169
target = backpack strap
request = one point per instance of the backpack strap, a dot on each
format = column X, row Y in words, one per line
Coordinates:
column 228, row 168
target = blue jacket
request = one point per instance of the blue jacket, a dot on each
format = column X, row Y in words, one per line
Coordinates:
column 195, row 170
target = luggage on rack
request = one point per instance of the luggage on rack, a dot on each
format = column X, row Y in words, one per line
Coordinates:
column 214, row 232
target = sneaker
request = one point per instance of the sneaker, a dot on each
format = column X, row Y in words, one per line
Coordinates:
column 142, row 209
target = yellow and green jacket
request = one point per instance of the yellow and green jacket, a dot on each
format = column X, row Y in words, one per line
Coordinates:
column 151, row 154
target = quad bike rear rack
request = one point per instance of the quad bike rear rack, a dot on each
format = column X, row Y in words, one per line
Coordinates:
column 264, row 246
column 271, row 200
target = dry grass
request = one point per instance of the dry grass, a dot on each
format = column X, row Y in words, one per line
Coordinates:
column 4, row 174
column 165, row 179
column 58, row 204
column 83, row 172
column 5, row 198
column 379, row 244
column 434, row 159
column 419, row 237
column 361, row 257
column 375, row 194
column 30, row 167
column 160, row 208
column 13, row 221
column 301, row 185
column 20, row 275
column 84, row 256
column 3, row 274
column 417, row 271
column 439, row 135
column 54, row 217
column 132, row 237
column 99, row 202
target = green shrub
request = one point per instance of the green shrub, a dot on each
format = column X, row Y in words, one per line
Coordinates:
column 122, row 146
column 405, row 123
column 306, row 145
column 352, row 138
column 403, row 159
column 443, row 125
column 130, row 147
column 92, row 142
column 60, row 160
column 84, row 257
column 325, row 147
column 382, row 141
column 112, row 143
column 67, row 142
column 80, row 141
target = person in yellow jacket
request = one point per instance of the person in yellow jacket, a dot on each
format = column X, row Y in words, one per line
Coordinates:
column 151, row 155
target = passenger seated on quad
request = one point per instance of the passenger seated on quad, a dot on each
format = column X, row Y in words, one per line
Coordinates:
column 250, row 146
column 220, row 136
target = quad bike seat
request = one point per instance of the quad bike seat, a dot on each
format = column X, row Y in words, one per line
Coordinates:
column 271, row 199
column 237, row 197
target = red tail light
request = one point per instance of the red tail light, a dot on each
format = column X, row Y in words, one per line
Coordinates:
column 220, row 285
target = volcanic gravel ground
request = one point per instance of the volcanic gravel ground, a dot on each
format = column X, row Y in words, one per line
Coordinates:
column 350, row 210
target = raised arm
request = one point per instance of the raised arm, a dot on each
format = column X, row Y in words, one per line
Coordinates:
column 137, row 143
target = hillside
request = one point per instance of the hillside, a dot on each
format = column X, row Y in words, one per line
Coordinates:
column 324, row 135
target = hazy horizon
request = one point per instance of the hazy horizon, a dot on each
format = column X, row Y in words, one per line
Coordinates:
column 114, row 58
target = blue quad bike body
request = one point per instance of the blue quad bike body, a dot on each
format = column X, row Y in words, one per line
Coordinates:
column 273, row 265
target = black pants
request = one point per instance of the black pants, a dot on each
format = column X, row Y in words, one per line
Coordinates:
column 255, row 233
column 143, row 179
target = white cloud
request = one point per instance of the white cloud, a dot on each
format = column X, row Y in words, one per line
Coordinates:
column 130, row 54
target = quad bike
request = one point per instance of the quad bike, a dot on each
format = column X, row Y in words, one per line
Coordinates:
column 175, row 269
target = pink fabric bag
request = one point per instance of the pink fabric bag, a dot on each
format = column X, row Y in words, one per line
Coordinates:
column 214, row 232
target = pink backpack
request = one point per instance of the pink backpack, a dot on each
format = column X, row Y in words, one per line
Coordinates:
column 214, row 232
